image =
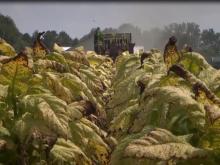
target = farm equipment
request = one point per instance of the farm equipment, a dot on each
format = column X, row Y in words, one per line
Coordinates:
column 112, row 44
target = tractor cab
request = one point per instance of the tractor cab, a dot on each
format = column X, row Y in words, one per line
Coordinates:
column 112, row 44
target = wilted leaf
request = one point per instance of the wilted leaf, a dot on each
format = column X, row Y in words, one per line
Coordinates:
column 6, row 49
column 66, row 152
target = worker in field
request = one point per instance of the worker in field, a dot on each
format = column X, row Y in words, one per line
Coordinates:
column 171, row 54
column 98, row 41
column 114, row 50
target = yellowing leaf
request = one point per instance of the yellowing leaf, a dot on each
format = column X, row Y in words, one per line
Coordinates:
column 6, row 49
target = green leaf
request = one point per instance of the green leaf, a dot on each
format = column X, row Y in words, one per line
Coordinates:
column 6, row 49
column 48, row 109
column 66, row 152
column 171, row 108
column 154, row 146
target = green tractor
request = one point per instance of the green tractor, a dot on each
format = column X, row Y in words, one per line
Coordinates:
column 112, row 44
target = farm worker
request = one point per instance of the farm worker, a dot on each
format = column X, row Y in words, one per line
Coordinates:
column 171, row 54
column 98, row 41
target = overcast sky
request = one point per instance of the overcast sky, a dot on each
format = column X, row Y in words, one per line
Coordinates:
column 78, row 18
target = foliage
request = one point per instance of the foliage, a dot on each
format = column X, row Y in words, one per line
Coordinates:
column 77, row 107
column 45, row 107
column 188, row 121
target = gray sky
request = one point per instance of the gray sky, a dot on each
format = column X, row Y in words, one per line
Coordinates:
column 78, row 18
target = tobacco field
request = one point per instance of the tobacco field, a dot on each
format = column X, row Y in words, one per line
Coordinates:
column 78, row 108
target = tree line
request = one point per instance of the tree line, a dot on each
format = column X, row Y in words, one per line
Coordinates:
column 12, row 35
column 205, row 41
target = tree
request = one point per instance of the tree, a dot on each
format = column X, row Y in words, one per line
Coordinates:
column 10, row 32
column 27, row 39
column 186, row 33
column 208, row 38
column 209, row 45
column 75, row 41
column 64, row 39
column 49, row 38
